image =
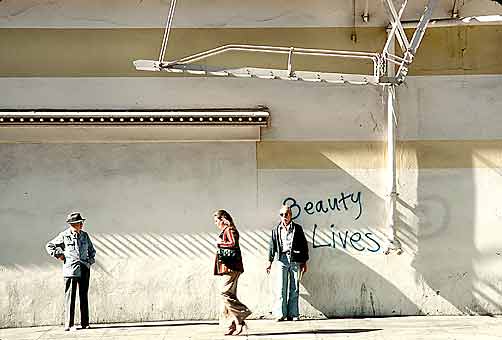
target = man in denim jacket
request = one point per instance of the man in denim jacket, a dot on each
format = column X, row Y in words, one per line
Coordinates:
column 290, row 245
column 74, row 248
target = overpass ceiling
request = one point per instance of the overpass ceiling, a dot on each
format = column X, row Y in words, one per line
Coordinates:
column 220, row 13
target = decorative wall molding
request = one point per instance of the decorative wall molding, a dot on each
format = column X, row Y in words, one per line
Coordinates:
column 111, row 126
column 210, row 117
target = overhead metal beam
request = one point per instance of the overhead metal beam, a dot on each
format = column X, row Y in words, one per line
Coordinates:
column 416, row 40
column 422, row 26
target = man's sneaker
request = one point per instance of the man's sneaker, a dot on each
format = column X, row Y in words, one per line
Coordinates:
column 86, row 327
column 282, row 318
column 72, row 328
column 296, row 318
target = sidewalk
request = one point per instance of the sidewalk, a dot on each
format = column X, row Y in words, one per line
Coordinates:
column 398, row 328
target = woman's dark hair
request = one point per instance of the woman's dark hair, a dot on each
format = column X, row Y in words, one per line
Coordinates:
column 223, row 214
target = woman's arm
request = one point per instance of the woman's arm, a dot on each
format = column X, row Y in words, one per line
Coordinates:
column 230, row 238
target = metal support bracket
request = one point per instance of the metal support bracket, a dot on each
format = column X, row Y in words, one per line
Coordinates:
column 409, row 48
column 381, row 61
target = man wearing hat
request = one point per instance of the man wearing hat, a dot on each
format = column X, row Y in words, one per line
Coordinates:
column 74, row 248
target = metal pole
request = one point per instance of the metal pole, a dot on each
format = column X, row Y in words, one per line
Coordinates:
column 290, row 62
column 390, row 91
column 169, row 23
column 394, row 243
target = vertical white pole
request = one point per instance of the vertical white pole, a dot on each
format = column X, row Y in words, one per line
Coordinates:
column 390, row 93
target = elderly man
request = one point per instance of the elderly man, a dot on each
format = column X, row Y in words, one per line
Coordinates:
column 288, row 242
column 74, row 248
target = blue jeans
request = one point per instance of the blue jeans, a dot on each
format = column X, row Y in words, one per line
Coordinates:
column 289, row 287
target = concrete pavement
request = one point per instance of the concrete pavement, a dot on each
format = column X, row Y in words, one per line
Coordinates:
column 402, row 328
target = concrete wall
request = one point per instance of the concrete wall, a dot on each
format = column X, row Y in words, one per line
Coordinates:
column 222, row 13
column 149, row 205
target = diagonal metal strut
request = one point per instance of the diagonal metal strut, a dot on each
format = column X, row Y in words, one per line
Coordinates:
column 397, row 28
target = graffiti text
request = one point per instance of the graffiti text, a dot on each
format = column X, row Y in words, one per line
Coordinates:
column 357, row 240
column 342, row 203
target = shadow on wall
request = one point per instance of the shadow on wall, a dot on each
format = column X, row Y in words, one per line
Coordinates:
column 448, row 204
column 337, row 198
column 347, row 274
column 437, row 230
column 339, row 285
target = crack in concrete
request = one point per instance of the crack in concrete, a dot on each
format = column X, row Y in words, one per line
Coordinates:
column 376, row 128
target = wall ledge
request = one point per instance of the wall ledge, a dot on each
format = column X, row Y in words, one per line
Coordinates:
column 123, row 126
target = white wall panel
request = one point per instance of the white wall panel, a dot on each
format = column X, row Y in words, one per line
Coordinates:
column 450, row 107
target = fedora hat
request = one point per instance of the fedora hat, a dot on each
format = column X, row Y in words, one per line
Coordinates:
column 74, row 217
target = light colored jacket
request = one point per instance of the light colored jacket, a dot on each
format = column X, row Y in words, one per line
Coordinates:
column 76, row 249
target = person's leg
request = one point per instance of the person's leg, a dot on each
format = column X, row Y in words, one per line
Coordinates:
column 294, row 290
column 228, row 290
column 232, row 284
column 281, row 309
column 223, row 286
column 83, row 289
column 69, row 307
column 237, row 310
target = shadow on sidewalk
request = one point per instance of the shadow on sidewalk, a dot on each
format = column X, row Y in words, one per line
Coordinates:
column 321, row 331
column 165, row 324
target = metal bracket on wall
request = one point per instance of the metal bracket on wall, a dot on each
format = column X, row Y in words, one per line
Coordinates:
column 409, row 48
column 380, row 61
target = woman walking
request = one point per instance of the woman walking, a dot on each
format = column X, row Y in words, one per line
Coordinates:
column 228, row 265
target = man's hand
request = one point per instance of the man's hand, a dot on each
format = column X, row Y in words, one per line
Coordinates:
column 269, row 267
column 303, row 268
column 60, row 257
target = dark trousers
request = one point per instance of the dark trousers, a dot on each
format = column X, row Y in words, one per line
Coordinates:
column 70, row 292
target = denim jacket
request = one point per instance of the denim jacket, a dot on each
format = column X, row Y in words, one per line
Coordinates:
column 76, row 249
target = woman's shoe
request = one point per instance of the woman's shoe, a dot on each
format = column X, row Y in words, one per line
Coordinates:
column 242, row 326
column 231, row 329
